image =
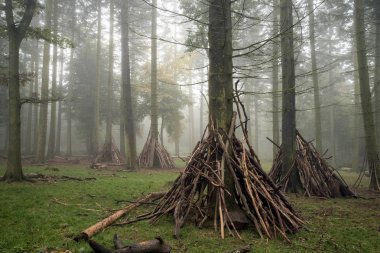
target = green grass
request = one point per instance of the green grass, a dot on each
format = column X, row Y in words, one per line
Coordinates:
column 38, row 216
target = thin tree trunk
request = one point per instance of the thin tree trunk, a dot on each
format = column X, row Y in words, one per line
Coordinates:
column 153, row 87
column 59, row 116
column 71, row 80
column 256, row 137
column 288, row 96
column 35, row 106
column 28, row 136
column 97, row 85
column 314, row 67
column 275, row 89
column 42, row 128
column 129, row 121
column 191, row 117
column 365, row 95
column 110, row 77
column 377, row 68
column 162, row 130
column 53, row 108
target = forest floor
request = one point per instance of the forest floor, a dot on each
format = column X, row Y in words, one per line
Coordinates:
column 44, row 216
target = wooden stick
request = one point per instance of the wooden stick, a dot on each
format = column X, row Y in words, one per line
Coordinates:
column 89, row 232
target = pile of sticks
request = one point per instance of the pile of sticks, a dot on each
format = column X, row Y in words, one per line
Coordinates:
column 316, row 176
column 110, row 154
column 154, row 155
column 201, row 191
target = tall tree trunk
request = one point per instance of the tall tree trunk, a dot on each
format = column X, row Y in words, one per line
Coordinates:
column 70, row 86
column 256, row 137
column 110, row 77
column 28, row 136
column 191, row 117
column 97, row 86
column 36, row 88
column 53, row 108
column 15, row 36
column 129, row 120
column 377, row 68
column 365, row 95
column 331, row 112
column 220, row 57
column 59, row 116
column 275, row 89
column 42, row 128
column 314, row 67
column 288, row 97
column 220, row 84
column 153, row 85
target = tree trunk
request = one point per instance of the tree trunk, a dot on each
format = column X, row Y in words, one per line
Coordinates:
column 129, row 120
column 28, row 136
column 314, row 67
column 220, row 57
column 97, row 85
column 15, row 34
column 42, row 128
column 70, row 85
column 153, row 86
column 220, row 84
column 14, row 167
column 288, row 97
column 365, row 95
column 275, row 89
column 256, row 137
column 59, row 116
column 191, row 117
column 110, row 77
column 377, row 68
column 35, row 106
column 53, row 108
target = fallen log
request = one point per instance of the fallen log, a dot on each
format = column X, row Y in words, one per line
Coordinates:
column 89, row 232
column 153, row 246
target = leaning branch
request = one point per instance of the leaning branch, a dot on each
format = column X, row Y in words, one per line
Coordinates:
column 89, row 232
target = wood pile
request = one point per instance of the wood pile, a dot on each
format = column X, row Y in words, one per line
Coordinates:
column 154, row 155
column 200, row 192
column 316, row 176
column 110, row 153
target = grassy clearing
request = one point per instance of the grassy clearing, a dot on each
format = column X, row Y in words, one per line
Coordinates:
column 38, row 216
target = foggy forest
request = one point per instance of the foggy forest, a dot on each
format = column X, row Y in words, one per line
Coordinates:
column 157, row 126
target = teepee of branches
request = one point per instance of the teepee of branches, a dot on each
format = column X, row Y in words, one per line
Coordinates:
column 154, row 155
column 200, row 192
column 315, row 175
column 110, row 153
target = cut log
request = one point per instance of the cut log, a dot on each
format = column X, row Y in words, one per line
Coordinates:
column 89, row 232
column 153, row 246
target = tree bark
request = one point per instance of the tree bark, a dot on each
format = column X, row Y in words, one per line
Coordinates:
column 365, row 95
column 220, row 84
column 377, row 68
column 59, row 116
column 220, row 57
column 110, row 77
column 288, row 97
column 71, row 80
column 97, row 85
column 15, row 36
column 53, row 107
column 129, row 120
column 153, row 85
column 42, row 127
column 314, row 67
column 275, row 89
column 36, row 88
